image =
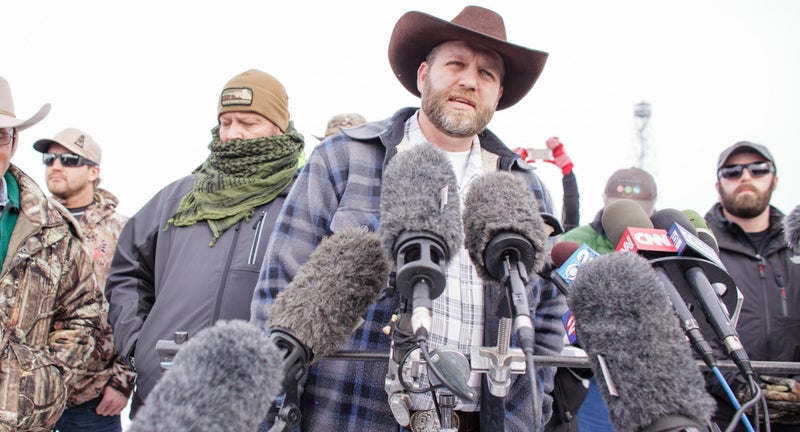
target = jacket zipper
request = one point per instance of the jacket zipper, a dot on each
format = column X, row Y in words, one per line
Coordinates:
column 258, row 227
column 783, row 295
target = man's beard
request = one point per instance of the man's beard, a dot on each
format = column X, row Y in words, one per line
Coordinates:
column 455, row 123
column 746, row 206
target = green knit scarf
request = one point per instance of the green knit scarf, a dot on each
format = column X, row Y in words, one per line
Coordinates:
column 237, row 177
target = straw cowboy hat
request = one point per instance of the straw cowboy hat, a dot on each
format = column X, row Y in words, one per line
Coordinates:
column 7, row 117
column 416, row 33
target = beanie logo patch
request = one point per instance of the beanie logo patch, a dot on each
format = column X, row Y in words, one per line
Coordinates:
column 236, row 96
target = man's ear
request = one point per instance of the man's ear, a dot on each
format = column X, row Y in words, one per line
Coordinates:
column 94, row 173
column 422, row 75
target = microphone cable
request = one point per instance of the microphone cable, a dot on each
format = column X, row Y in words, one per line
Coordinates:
column 733, row 399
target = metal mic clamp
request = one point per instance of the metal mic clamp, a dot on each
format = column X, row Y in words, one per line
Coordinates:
column 498, row 363
column 402, row 341
column 167, row 349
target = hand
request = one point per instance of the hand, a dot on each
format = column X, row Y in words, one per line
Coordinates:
column 783, row 398
column 523, row 154
column 113, row 402
column 560, row 157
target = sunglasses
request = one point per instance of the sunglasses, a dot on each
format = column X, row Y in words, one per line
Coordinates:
column 67, row 159
column 757, row 169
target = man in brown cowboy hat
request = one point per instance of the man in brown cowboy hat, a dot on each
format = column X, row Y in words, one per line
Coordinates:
column 463, row 70
column 50, row 302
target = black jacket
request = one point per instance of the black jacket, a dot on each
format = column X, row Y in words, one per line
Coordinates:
column 769, row 280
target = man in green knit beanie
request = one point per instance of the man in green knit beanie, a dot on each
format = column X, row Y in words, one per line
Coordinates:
column 191, row 256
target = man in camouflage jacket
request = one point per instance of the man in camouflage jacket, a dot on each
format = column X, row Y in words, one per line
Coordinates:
column 72, row 160
column 49, row 300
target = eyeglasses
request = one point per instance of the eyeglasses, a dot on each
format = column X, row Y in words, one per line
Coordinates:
column 6, row 136
column 757, row 169
column 67, row 159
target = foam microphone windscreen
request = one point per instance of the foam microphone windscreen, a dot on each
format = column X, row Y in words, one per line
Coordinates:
column 622, row 214
column 791, row 226
column 223, row 378
column 332, row 290
column 704, row 232
column 664, row 218
column 561, row 251
column 637, row 351
column 497, row 203
column 420, row 193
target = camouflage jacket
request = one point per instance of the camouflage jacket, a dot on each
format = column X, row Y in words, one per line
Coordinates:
column 100, row 228
column 50, row 306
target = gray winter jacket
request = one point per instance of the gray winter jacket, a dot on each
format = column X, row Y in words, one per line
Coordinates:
column 163, row 281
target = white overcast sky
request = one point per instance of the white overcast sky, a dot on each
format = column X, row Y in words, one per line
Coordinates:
column 143, row 78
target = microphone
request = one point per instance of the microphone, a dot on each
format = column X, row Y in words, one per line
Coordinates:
column 664, row 219
column 646, row 374
column 690, row 276
column 569, row 257
column 560, row 252
column 621, row 214
column 791, row 227
column 420, row 226
column 322, row 306
column 224, row 378
column 704, row 233
column 684, row 235
column 505, row 237
column 569, row 267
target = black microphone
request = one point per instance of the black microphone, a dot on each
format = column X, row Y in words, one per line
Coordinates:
column 506, row 239
column 791, row 227
column 322, row 306
column 223, row 378
column 690, row 278
column 420, row 226
column 646, row 374
column 664, row 219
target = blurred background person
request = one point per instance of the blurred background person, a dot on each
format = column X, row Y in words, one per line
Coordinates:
column 570, row 212
column 628, row 183
column 346, row 120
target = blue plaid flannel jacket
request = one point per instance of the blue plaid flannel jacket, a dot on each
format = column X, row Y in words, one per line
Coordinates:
column 340, row 187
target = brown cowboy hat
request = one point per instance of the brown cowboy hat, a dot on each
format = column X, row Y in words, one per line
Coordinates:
column 416, row 33
column 7, row 117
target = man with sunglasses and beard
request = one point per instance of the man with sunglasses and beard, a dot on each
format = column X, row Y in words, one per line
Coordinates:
column 463, row 70
column 72, row 173
column 752, row 246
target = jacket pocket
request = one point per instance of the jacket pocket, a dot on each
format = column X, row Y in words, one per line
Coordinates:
column 36, row 387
